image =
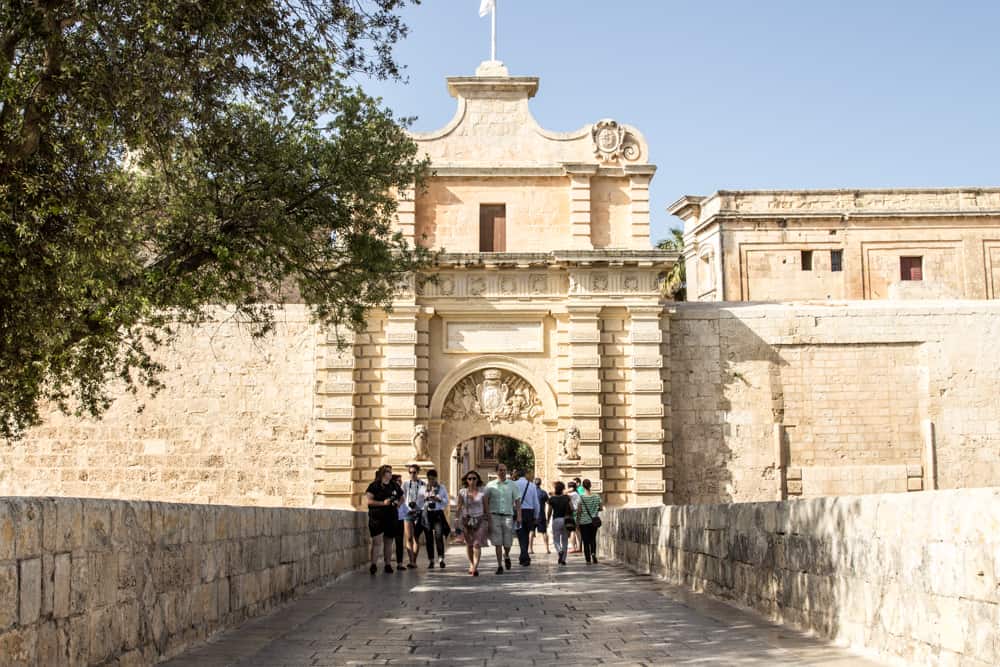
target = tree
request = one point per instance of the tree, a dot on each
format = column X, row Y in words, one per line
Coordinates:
column 675, row 283
column 159, row 156
column 516, row 455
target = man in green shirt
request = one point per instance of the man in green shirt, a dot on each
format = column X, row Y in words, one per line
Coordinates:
column 505, row 504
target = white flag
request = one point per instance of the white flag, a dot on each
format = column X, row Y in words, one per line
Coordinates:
column 486, row 6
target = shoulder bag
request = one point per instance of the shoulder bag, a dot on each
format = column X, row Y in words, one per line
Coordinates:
column 595, row 521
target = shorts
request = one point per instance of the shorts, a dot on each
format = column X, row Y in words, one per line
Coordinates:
column 383, row 524
column 541, row 526
column 502, row 530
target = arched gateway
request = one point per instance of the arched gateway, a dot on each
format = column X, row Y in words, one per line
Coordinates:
column 494, row 396
column 543, row 320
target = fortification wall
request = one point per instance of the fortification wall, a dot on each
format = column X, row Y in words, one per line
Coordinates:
column 763, row 402
column 914, row 578
column 233, row 424
column 93, row 582
column 771, row 401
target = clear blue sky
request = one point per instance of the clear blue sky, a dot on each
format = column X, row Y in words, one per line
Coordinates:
column 741, row 95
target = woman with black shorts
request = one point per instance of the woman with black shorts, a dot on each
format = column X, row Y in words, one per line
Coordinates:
column 382, row 497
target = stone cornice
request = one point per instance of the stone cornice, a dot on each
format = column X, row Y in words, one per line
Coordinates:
column 535, row 171
column 659, row 259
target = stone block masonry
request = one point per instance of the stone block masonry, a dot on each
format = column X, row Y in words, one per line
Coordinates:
column 94, row 582
column 912, row 577
column 776, row 400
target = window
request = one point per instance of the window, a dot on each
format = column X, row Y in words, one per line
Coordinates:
column 911, row 268
column 807, row 260
column 492, row 228
column 836, row 260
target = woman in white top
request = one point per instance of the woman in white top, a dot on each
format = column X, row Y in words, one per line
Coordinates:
column 574, row 499
column 472, row 511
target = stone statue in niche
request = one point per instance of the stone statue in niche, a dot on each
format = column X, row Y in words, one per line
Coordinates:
column 420, row 443
column 494, row 397
column 571, row 443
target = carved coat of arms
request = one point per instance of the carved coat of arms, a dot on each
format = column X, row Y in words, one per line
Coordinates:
column 494, row 398
column 612, row 142
column 492, row 393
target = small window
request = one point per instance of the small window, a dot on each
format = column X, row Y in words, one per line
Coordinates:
column 911, row 268
column 492, row 228
column 836, row 260
column 807, row 260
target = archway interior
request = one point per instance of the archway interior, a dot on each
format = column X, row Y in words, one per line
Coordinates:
column 484, row 453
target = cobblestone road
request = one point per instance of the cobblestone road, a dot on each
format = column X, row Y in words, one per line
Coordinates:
column 540, row 615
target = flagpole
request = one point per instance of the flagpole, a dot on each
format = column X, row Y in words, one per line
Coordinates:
column 493, row 40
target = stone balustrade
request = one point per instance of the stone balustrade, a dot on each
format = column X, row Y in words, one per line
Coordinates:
column 87, row 581
column 914, row 578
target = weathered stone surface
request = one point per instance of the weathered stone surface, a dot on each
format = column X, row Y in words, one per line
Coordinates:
column 124, row 596
column 30, row 584
column 8, row 595
column 910, row 576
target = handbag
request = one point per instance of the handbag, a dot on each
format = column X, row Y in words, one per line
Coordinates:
column 595, row 521
column 569, row 521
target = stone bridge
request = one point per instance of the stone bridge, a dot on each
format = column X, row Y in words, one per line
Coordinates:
column 911, row 579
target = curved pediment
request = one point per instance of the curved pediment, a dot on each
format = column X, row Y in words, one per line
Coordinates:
column 493, row 127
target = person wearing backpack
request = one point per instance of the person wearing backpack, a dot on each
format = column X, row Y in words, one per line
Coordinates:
column 588, row 517
column 560, row 515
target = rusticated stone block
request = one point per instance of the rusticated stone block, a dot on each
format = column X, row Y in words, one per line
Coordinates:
column 97, row 525
column 61, row 578
column 30, row 584
column 70, row 529
column 8, row 595
column 7, row 531
column 19, row 646
column 51, row 644
column 27, row 515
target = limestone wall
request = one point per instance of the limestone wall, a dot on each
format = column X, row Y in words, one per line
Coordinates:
column 89, row 582
column 769, row 401
column 232, row 425
column 912, row 577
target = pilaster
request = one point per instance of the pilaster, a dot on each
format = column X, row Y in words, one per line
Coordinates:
column 650, row 446
column 334, row 414
column 403, row 391
column 584, row 390
column 406, row 214
column 579, row 205
column 639, row 178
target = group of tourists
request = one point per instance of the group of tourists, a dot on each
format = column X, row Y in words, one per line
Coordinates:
column 399, row 512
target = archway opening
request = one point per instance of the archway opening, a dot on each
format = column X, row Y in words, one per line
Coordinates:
column 483, row 453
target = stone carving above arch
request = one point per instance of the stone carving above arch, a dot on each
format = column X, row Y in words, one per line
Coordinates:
column 454, row 386
column 494, row 395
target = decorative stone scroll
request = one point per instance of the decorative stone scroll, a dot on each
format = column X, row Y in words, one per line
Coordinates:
column 612, row 142
column 494, row 396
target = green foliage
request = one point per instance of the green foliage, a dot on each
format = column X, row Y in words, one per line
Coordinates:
column 675, row 281
column 157, row 157
column 515, row 455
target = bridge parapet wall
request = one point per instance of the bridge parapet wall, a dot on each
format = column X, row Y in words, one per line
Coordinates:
column 87, row 581
column 914, row 578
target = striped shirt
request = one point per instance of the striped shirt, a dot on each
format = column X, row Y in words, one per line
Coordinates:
column 590, row 502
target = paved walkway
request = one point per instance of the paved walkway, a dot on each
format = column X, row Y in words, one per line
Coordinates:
column 551, row 615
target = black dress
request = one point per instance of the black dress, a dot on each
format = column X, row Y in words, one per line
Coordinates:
column 382, row 520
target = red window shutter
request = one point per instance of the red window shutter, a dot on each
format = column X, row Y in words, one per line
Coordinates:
column 500, row 230
column 492, row 228
column 485, row 229
column 911, row 268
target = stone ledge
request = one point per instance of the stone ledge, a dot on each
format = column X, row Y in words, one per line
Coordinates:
column 92, row 582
